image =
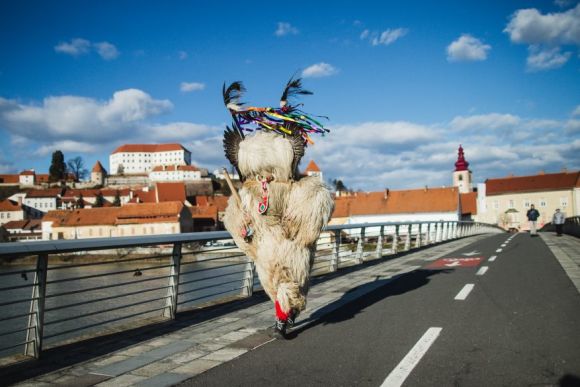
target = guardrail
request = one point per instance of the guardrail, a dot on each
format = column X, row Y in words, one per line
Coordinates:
column 571, row 226
column 54, row 292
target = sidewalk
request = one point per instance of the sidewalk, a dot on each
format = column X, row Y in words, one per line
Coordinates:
column 567, row 250
column 181, row 349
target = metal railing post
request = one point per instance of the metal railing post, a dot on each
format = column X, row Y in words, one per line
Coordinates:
column 34, row 333
column 248, row 280
column 418, row 241
column 428, row 235
column 173, row 290
column 395, row 248
column 360, row 246
column 336, row 251
column 408, row 240
column 379, row 251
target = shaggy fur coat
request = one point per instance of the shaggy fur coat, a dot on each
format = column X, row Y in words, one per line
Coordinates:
column 283, row 243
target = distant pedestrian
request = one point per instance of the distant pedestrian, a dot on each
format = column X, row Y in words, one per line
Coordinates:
column 533, row 216
column 558, row 219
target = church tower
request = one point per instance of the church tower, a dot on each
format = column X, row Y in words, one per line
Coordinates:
column 98, row 174
column 462, row 175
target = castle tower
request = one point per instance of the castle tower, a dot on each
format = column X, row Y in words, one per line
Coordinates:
column 313, row 170
column 98, row 174
column 462, row 175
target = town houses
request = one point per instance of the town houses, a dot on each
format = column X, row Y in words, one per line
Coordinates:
column 154, row 189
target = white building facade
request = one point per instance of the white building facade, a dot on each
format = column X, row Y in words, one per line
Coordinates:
column 142, row 158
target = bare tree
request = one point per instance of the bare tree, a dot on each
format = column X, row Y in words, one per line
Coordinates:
column 76, row 166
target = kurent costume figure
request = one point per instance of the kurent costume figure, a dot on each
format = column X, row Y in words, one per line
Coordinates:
column 278, row 215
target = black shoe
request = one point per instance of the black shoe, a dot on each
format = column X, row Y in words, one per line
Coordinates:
column 279, row 331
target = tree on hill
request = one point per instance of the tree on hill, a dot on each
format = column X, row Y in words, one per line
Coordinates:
column 117, row 200
column 339, row 185
column 81, row 201
column 57, row 170
column 99, row 200
column 76, row 166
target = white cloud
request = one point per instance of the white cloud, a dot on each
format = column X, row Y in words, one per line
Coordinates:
column 75, row 47
column 180, row 131
column 319, row 70
column 576, row 111
column 79, row 118
column 182, row 55
column 285, row 29
column 66, row 146
column 106, row 50
column 545, row 34
column 191, row 86
column 529, row 26
column 383, row 133
column 388, row 36
column 78, row 47
column 384, row 38
column 484, row 121
column 540, row 59
column 572, row 127
column 467, row 48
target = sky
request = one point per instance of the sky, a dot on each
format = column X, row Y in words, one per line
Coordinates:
column 403, row 84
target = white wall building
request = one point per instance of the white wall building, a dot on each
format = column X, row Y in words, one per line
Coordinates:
column 142, row 158
column 42, row 201
column 174, row 173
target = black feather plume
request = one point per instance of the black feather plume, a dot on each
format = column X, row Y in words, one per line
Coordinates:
column 233, row 93
column 232, row 139
column 293, row 88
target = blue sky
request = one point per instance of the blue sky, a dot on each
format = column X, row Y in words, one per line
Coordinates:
column 403, row 83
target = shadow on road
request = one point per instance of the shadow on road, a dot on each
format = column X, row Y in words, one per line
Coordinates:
column 569, row 380
column 351, row 303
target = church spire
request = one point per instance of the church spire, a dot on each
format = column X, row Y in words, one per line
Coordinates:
column 461, row 164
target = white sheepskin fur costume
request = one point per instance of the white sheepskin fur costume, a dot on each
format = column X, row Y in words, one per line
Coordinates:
column 284, row 237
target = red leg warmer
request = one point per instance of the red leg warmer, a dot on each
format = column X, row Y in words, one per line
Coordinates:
column 280, row 314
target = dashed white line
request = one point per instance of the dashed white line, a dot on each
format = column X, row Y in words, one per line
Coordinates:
column 398, row 375
column 504, row 245
column 498, row 251
column 463, row 293
column 492, row 258
column 482, row 270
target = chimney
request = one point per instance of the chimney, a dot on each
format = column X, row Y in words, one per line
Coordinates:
column 20, row 200
column 564, row 170
column 426, row 188
column 386, row 193
column 542, row 172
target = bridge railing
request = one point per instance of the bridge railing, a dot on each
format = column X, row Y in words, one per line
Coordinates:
column 61, row 291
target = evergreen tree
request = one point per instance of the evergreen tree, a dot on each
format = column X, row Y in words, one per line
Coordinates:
column 117, row 201
column 57, row 171
column 81, row 201
column 99, row 200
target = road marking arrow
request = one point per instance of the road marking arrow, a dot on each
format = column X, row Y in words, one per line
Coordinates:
column 474, row 252
column 453, row 264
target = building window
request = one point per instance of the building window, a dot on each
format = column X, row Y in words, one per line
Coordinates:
column 495, row 204
column 511, row 204
column 563, row 202
column 460, row 178
column 527, row 203
column 543, row 203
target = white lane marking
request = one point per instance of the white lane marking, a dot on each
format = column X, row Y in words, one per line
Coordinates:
column 463, row 293
column 504, row 245
column 482, row 270
column 498, row 251
column 398, row 375
column 492, row 258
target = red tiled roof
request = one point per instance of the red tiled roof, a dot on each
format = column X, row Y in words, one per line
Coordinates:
column 98, row 168
column 26, row 224
column 9, row 205
column 204, row 212
column 10, row 179
column 397, row 202
column 129, row 214
column 167, row 192
column 541, row 182
column 221, row 202
column 149, row 148
column 312, row 167
column 469, row 203
column 44, row 193
column 27, row 173
column 161, row 168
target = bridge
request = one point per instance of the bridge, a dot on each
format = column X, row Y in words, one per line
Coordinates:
column 414, row 304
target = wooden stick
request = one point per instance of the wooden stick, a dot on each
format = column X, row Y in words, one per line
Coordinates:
column 232, row 188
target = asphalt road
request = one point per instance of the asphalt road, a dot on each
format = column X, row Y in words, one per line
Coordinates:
column 518, row 326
